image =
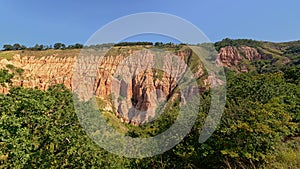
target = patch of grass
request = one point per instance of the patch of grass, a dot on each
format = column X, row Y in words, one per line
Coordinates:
column 52, row 52
column 38, row 54
column 100, row 103
column 110, row 117
column 8, row 55
column 115, row 122
column 124, row 50
column 271, row 47
column 287, row 156
column 268, row 52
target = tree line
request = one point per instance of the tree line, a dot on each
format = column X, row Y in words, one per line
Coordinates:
column 237, row 42
column 56, row 46
column 218, row 45
column 17, row 46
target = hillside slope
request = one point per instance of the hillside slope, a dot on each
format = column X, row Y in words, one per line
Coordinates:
column 147, row 87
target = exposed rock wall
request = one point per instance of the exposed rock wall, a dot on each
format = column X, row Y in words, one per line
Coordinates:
column 41, row 72
column 231, row 57
column 137, row 84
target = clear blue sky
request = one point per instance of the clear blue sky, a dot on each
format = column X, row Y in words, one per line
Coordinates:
column 71, row 21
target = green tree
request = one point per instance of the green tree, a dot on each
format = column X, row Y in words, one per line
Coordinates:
column 7, row 47
column 78, row 46
column 57, row 46
column 16, row 46
column 63, row 46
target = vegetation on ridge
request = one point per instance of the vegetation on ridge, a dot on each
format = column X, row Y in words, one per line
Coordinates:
column 260, row 127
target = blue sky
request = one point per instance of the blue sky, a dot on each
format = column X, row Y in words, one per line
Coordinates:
column 69, row 21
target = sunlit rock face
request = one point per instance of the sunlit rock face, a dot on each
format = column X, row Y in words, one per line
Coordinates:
column 134, row 83
column 232, row 57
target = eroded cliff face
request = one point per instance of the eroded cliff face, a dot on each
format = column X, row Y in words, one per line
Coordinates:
column 135, row 82
column 232, row 57
column 41, row 72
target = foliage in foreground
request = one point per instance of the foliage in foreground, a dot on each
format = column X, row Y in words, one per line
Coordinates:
column 39, row 129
